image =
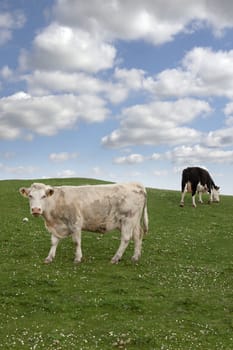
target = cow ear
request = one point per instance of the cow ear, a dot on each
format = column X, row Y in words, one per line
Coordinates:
column 49, row 191
column 24, row 191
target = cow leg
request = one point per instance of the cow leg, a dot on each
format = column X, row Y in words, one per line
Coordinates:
column 183, row 191
column 77, row 240
column 52, row 252
column 200, row 197
column 182, row 199
column 137, row 236
column 210, row 198
column 194, row 190
column 193, row 200
column 126, row 235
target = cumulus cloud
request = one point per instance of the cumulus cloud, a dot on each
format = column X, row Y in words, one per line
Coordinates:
column 132, row 20
column 219, row 138
column 67, row 80
column 66, row 173
column 18, row 170
column 133, row 79
column 181, row 156
column 192, row 155
column 136, row 158
column 160, row 173
column 131, row 159
column 228, row 110
column 70, row 49
column 10, row 21
column 117, row 20
column 41, row 82
column 62, row 156
column 5, row 35
column 47, row 115
column 6, row 72
column 158, row 123
column 203, row 72
column 155, row 156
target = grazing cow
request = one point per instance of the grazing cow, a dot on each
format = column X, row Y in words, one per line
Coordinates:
column 195, row 179
column 98, row 208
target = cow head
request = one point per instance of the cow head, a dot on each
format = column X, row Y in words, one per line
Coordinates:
column 215, row 194
column 37, row 195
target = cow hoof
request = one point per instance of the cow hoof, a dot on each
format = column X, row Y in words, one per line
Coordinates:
column 181, row 205
column 115, row 260
column 77, row 261
column 135, row 259
column 47, row 260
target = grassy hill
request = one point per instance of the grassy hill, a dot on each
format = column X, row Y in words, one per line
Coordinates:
column 178, row 297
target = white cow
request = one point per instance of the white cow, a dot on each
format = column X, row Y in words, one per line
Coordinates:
column 99, row 208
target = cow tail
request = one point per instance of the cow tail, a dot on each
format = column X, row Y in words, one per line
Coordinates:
column 145, row 219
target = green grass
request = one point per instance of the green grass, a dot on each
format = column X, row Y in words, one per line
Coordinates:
column 178, row 297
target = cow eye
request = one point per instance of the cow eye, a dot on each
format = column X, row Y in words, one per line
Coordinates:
column 43, row 197
column 30, row 196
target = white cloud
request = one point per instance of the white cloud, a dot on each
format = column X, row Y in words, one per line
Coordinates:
column 63, row 156
column 66, row 173
column 42, row 82
column 220, row 138
column 117, row 20
column 160, row 173
column 228, row 110
column 203, row 73
column 158, row 123
column 155, row 156
column 131, row 78
column 67, row 82
column 5, row 35
column 102, row 173
column 131, row 159
column 18, row 170
column 48, row 114
column 136, row 158
column 193, row 155
column 229, row 121
column 97, row 171
column 6, row 72
column 65, row 48
column 10, row 21
column 132, row 20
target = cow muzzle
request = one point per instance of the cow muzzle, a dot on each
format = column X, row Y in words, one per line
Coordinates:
column 36, row 211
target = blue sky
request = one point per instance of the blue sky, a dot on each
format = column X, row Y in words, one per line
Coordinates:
column 116, row 90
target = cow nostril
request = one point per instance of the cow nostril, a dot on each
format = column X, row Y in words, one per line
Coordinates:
column 36, row 211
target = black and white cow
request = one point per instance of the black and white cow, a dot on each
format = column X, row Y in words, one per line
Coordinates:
column 198, row 180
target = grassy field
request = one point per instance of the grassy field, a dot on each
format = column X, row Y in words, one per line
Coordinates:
column 178, row 297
